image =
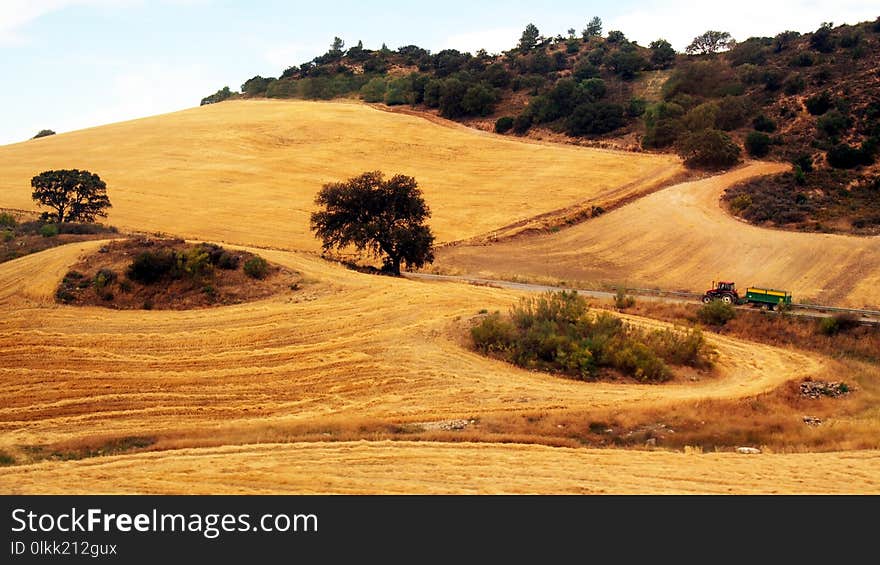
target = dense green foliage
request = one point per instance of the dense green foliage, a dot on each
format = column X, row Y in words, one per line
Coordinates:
column 556, row 332
column 384, row 217
column 74, row 195
column 716, row 313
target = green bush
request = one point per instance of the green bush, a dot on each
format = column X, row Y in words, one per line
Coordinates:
column 49, row 230
column 256, row 267
column 103, row 279
column 716, row 313
column 709, row 149
column 504, row 124
column 818, row 104
column 151, row 266
column 764, row 124
column 622, row 300
column 493, row 334
column 758, row 144
column 556, row 332
column 8, row 235
column 7, row 220
column 836, row 324
column 833, row 123
column 374, row 91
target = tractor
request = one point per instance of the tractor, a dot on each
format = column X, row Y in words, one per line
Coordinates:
column 724, row 291
column 769, row 298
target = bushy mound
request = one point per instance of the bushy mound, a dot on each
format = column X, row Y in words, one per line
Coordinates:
column 171, row 274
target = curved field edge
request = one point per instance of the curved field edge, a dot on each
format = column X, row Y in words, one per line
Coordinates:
column 346, row 345
column 437, row 468
column 681, row 238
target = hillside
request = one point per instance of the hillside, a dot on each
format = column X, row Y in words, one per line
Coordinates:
column 247, row 172
column 680, row 238
column 805, row 99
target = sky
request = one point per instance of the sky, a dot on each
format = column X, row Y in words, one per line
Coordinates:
column 72, row 64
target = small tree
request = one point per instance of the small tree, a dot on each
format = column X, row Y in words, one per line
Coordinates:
column 529, row 39
column 594, row 29
column 662, row 54
column 43, row 133
column 758, row 144
column 383, row 217
column 709, row 43
column 76, row 196
column 709, row 149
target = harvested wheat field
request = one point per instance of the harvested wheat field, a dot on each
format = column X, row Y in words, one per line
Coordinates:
column 346, row 345
column 680, row 238
column 466, row 468
column 247, row 172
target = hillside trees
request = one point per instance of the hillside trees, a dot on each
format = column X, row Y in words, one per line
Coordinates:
column 708, row 149
column 529, row 38
column 219, row 96
column 662, row 54
column 593, row 29
column 74, row 195
column 383, row 217
column 709, row 43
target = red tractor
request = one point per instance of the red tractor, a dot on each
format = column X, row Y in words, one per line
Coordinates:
column 723, row 291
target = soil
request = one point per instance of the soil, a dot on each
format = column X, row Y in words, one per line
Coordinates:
column 218, row 287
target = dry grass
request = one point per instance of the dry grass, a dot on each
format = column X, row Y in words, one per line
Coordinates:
column 351, row 357
column 680, row 239
column 443, row 468
column 247, row 172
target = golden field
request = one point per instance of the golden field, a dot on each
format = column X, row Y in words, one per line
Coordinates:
column 222, row 396
column 681, row 239
column 247, row 172
column 462, row 468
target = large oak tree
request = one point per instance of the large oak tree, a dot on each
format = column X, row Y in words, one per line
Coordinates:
column 383, row 217
column 74, row 195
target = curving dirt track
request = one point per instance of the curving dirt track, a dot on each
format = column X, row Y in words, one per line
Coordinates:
column 466, row 468
column 247, row 172
column 347, row 345
column 680, row 238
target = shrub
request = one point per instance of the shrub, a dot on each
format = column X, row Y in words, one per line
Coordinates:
column 802, row 59
column 194, row 262
column 758, row 144
column 6, row 459
column 49, row 230
column 595, row 118
column 716, row 313
column 64, row 295
column 733, row 112
column 7, row 220
column 43, row 133
column 504, row 124
column 794, row 85
column 8, row 235
column 256, row 267
column 822, row 39
column 149, row 267
column 843, row 156
column 683, row 347
column 228, row 261
column 622, row 301
column 709, row 149
column 836, row 324
column 556, row 332
column 833, row 123
column 818, row 104
column 522, row 123
column 374, row 91
column 103, row 279
column 493, row 334
column 763, row 123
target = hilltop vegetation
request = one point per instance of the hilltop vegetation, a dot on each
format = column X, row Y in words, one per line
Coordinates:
column 808, row 99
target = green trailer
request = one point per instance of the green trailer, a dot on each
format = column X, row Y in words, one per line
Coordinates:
column 769, row 297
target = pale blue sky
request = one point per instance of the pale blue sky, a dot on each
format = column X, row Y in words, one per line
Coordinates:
column 70, row 64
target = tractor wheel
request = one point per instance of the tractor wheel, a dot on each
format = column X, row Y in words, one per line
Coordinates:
column 707, row 299
column 727, row 299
